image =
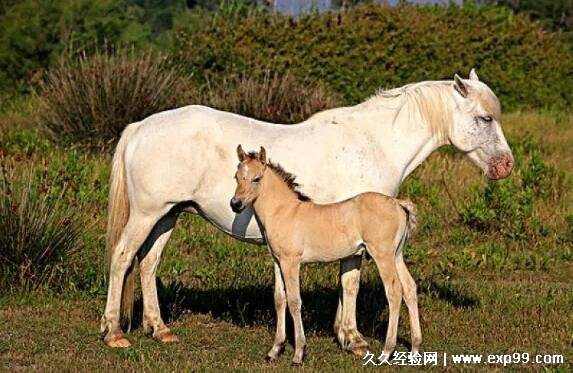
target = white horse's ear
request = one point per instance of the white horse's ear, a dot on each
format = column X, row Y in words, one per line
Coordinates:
column 474, row 75
column 241, row 153
column 461, row 86
column 263, row 155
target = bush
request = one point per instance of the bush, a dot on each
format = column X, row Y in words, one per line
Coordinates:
column 508, row 206
column 91, row 100
column 370, row 46
column 38, row 233
column 270, row 96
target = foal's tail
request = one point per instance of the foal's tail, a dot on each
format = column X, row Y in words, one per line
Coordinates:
column 411, row 212
column 118, row 214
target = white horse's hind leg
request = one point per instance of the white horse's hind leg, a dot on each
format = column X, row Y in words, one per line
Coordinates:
column 152, row 322
column 345, row 326
column 411, row 300
column 134, row 234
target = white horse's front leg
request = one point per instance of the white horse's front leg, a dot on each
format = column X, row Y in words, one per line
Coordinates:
column 345, row 326
column 280, row 308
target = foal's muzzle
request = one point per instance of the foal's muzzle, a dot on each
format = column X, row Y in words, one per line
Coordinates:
column 236, row 205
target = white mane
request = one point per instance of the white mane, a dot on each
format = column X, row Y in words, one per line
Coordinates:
column 430, row 99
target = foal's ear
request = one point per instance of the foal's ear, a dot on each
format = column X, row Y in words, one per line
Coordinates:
column 263, row 155
column 461, row 86
column 474, row 75
column 241, row 153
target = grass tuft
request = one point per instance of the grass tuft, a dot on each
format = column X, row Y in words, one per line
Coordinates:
column 38, row 233
column 90, row 100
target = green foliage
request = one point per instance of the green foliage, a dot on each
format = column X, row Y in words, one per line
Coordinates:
column 35, row 33
column 508, row 206
column 372, row 46
column 39, row 233
column 235, row 9
column 23, row 141
column 91, row 100
column 354, row 52
column 557, row 13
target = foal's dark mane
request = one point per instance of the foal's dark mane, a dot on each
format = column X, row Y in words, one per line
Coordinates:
column 287, row 177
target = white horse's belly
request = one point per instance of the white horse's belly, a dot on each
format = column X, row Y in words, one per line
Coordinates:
column 242, row 226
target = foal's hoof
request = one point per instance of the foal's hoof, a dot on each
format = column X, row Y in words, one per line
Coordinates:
column 275, row 353
column 270, row 359
column 296, row 363
column 117, row 342
column 167, row 337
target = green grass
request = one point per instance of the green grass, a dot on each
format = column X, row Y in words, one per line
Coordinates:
column 520, row 312
column 481, row 290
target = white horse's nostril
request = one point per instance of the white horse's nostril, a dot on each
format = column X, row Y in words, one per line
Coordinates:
column 500, row 166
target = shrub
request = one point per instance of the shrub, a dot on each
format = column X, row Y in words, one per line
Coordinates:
column 370, row 46
column 508, row 206
column 38, row 233
column 92, row 99
column 270, row 96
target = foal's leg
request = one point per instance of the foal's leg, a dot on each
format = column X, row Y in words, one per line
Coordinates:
column 134, row 234
column 151, row 252
column 280, row 308
column 411, row 300
column 290, row 269
column 385, row 261
column 345, row 326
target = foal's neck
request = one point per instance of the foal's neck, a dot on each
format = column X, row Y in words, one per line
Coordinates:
column 274, row 197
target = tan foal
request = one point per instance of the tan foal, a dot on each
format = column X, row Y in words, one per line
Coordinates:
column 298, row 230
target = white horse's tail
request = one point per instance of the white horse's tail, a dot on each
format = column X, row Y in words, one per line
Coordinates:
column 411, row 215
column 118, row 214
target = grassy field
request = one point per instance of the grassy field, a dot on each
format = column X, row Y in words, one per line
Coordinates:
column 493, row 262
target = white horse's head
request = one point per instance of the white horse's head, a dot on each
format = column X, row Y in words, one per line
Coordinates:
column 476, row 128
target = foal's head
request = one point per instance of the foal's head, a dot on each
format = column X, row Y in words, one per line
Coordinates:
column 249, row 178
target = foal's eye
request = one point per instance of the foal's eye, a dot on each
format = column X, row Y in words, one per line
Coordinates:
column 256, row 179
column 486, row 118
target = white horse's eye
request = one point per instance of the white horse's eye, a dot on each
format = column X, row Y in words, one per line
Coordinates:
column 487, row 118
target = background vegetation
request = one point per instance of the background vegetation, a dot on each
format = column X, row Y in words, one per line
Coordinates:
column 356, row 52
column 492, row 260
column 353, row 53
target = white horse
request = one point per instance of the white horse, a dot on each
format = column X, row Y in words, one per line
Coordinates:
column 184, row 160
